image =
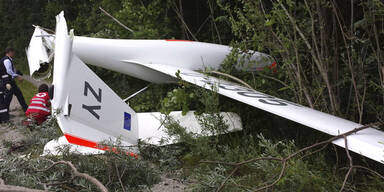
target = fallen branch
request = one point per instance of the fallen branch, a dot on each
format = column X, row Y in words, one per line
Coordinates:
column 76, row 173
column 227, row 178
column 13, row 188
column 284, row 160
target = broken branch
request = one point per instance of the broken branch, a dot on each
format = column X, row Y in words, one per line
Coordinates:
column 117, row 21
column 76, row 173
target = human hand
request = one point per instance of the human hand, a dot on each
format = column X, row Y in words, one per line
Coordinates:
column 8, row 86
column 20, row 78
column 19, row 73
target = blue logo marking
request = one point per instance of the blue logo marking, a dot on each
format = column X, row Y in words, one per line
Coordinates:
column 127, row 121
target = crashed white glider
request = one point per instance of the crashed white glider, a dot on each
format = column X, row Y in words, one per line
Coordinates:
column 159, row 61
column 89, row 112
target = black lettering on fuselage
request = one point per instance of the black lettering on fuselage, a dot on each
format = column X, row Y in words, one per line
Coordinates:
column 92, row 108
column 232, row 87
column 246, row 92
column 273, row 102
column 87, row 87
column 254, row 94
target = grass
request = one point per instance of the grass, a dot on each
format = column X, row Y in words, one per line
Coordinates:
column 27, row 88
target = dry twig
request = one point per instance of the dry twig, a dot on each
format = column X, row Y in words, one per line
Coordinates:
column 231, row 77
column 181, row 18
column 117, row 21
column 350, row 164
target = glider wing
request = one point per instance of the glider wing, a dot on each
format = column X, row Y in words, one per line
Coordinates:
column 368, row 142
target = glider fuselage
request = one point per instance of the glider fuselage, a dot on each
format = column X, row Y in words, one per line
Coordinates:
column 125, row 56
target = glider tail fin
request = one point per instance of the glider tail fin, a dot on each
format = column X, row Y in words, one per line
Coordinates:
column 87, row 110
column 92, row 112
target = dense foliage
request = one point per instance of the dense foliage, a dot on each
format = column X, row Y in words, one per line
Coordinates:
column 329, row 55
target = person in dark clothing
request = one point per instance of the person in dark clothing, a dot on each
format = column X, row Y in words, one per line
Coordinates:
column 4, row 114
column 8, row 74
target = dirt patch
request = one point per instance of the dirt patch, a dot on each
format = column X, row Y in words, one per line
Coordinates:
column 168, row 185
column 10, row 132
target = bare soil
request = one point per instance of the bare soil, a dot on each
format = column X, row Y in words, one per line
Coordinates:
column 10, row 132
column 168, row 185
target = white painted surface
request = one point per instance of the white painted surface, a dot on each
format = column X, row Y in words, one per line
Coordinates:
column 78, row 88
column 159, row 60
column 36, row 51
column 122, row 55
column 152, row 130
column 58, row 146
column 63, row 52
column 71, row 95
column 107, row 120
column 368, row 142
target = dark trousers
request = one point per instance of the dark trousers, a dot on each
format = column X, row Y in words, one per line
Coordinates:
column 15, row 91
column 4, row 115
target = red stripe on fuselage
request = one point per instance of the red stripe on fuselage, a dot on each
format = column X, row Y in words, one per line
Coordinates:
column 86, row 143
column 81, row 141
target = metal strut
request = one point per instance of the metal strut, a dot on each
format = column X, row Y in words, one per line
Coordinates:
column 133, row 95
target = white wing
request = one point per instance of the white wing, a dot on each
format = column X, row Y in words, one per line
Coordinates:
column 368, row 142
